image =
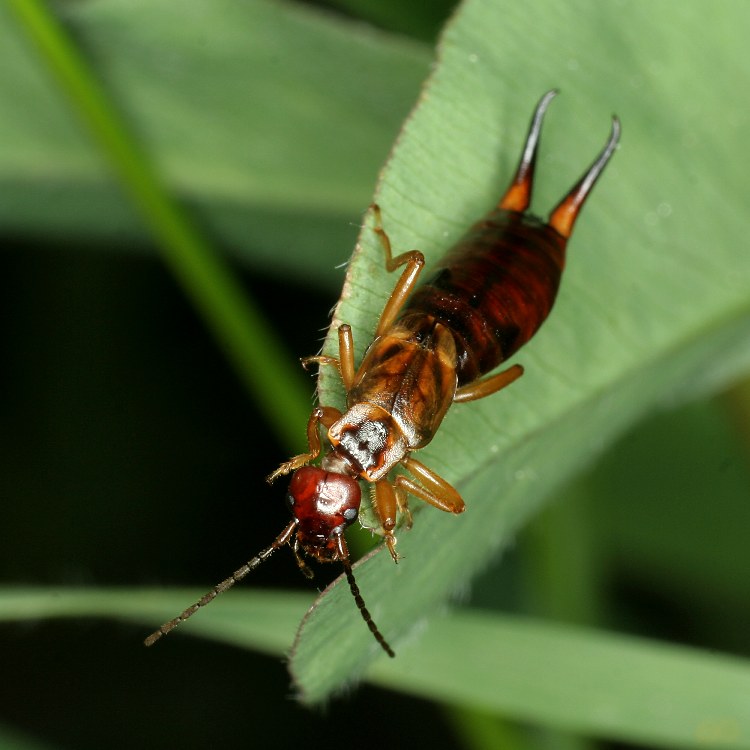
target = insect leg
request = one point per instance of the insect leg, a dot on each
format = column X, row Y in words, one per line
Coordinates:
column 390, row 497
column 414, row 261
column 386, row 505
column 301, row 564
column 345, row 360
column 431, row 488
column 487, row 386
column 325, row 415
column 319, row 359
column 403, row 505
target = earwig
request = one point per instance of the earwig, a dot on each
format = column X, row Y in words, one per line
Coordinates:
column 484, row 300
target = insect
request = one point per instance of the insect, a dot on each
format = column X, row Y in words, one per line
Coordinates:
column 484, row 300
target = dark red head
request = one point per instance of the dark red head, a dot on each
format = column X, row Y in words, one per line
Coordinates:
column 323, row 503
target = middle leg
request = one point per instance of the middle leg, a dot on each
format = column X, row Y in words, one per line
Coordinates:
column 414, row 262
column 345, row 360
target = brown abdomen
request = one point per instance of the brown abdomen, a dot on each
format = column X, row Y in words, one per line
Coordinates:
column 493, row 289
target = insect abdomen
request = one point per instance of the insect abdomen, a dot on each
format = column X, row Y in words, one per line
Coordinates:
column 493, row 289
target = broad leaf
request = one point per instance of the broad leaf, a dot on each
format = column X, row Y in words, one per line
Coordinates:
column 271, row 119
column 596, row 684
column 578, row 680
column 654, row 306
column 261, row 620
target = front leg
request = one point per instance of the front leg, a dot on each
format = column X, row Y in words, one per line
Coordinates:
column 386, row 505
column 325, row 415
column 390, row 497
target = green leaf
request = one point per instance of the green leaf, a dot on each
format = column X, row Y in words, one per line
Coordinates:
column 693, row 479
column 654, row 306
column 575, row 679
column 260, row 620
column 269, row 118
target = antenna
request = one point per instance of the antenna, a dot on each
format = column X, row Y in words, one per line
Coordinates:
column 227, row 583
column 343, row 552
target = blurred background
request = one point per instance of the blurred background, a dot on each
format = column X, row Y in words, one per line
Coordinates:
column 130, row 449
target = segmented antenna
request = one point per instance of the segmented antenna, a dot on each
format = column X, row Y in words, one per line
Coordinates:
column 360, row 602
column 227, row 583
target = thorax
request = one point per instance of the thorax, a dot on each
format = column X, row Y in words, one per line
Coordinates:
column 401, row 392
